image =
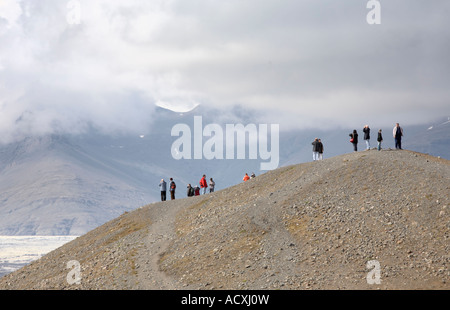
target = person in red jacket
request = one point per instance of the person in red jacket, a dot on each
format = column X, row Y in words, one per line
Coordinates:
column 246, row 177
column 204, row 184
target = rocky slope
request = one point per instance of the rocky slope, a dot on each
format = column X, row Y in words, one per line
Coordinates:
column 309, row 226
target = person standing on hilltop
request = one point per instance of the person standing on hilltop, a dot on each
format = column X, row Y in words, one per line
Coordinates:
column 315, row 149
column 379, row 139
column 366, row 131
column 212, row 184
column 320, row 150
column 190, row 191
column 203, row 184
column 398, row 134
column 162, row 187
column 246, row 177
column 354, row 140
column 172, row 189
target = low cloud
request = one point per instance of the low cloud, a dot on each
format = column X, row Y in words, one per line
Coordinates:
column 298, row 63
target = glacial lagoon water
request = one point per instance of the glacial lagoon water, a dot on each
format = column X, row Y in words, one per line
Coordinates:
column 18, row 251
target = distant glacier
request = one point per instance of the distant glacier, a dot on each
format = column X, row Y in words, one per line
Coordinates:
column 18, row 251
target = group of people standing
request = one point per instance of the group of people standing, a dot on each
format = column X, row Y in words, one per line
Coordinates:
column 317, row 149
column 163, row 189
column 397, row 132
column 191, row 191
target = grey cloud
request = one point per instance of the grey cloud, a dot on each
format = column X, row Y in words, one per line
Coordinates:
column 306, row 63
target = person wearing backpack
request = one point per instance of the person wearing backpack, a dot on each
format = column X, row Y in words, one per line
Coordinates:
column 398, row 134
column 196, row 190
column 172, row 188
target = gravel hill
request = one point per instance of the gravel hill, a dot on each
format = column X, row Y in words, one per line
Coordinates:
column 309, row 226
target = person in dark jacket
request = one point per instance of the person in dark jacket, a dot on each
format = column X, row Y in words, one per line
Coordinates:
column 190, row 190
column 315, row 150
column 320, row 150
column 379, row 140
column 172, row 189
column 366, row 131
column 162, row 187
column 398, row 134
column 354, row 140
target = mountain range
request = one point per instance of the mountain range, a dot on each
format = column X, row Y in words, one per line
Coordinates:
column 66, row 184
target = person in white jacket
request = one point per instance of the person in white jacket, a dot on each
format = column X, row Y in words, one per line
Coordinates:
column 212, row 184
column 397, row 132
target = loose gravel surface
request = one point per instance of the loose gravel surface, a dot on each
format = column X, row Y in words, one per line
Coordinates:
column 316, row 225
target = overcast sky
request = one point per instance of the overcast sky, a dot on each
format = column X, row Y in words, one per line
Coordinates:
column 300, row 63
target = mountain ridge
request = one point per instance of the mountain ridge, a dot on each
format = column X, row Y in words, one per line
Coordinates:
column 49, row 187
column 314, row 225
column 69, row 184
